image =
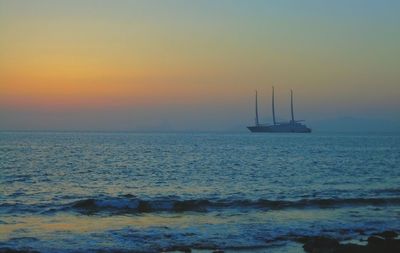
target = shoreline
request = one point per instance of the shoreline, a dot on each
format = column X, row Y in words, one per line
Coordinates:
column 385, row 241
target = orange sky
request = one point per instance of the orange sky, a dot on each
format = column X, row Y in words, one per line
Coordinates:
column 340, row 58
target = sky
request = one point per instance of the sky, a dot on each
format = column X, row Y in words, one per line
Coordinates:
column 194, row 65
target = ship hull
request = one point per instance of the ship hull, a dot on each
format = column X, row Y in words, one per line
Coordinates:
column 279, row 129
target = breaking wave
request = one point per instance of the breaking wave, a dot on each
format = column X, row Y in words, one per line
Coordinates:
column 132, row 204
column 137, row 205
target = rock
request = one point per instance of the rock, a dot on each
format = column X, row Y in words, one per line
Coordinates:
column 388, row 234
column 391, row 246
column 376, row 240
column 351, row 248
column 320, row 245
column 218, row 251
column 378, row 244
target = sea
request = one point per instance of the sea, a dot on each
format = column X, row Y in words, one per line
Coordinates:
column 159, row 192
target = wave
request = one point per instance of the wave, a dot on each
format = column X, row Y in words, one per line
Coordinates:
column 168, row 204
column 132, row 204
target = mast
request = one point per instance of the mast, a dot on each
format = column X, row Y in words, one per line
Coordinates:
column 291, row 104
column 257, row 123
column 273, row 105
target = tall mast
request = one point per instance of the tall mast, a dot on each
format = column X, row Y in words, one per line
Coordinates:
column 291, row 104
column 257, row 123
column 273, row 105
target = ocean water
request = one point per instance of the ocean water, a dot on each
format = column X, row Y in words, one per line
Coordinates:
column 91, row 192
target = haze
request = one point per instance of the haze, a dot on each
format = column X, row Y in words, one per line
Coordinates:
column 194, row 65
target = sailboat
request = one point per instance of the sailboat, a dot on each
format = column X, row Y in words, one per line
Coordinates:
column 292, row 126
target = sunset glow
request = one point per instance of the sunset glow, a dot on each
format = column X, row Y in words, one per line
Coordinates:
column 71, row 55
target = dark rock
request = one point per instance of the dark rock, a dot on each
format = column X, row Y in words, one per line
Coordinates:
column 351, row 248
column 320, row 245
column 377, row 244
column 388, row 234
column 382, row 243
column 376, row 240
column 218, row 251
column 392, row 246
